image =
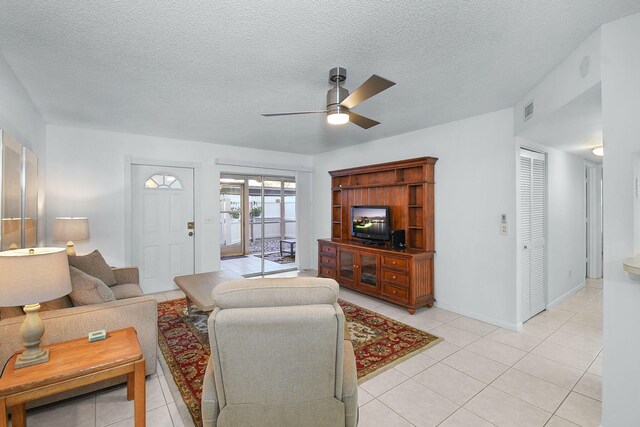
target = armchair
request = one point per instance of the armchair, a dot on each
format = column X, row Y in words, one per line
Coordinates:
column 279, row 356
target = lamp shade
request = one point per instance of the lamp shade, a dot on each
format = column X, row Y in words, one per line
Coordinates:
column 71, row 228
column 29, row 276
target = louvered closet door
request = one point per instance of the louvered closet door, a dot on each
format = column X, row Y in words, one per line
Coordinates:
column 532, row 233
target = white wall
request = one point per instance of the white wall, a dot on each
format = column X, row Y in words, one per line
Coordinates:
column 20, row 118
column 87, row 174
column 475, row 267
column 620, row 107
column 561, row 85
column 565, row 222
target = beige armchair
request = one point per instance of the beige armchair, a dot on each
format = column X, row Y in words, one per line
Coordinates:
column 279, row 356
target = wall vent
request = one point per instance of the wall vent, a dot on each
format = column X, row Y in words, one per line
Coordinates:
column 528, row 111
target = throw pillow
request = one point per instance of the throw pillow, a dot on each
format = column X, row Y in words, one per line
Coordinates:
column 87, row 289
column 94, row 265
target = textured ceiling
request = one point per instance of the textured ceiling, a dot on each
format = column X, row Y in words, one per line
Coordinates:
column 204, row 70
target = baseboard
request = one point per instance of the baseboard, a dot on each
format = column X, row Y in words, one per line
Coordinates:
column 564, row 296
column 482, row 318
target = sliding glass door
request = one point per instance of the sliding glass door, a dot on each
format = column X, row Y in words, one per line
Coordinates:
column 263, row 207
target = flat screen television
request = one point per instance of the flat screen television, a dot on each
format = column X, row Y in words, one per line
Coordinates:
column 371, row 222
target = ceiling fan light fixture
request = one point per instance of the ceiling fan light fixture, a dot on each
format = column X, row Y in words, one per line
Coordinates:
column 337, row 118
column 598, row 151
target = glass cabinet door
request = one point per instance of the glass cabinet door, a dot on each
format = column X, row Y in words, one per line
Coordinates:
column 346, row 266
column 368, row 271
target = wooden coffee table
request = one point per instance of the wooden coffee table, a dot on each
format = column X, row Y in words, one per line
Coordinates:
column 73, row 364
column 199, row 287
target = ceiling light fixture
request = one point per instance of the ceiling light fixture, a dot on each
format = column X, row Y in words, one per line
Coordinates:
column 337, row 118
column 598, row 151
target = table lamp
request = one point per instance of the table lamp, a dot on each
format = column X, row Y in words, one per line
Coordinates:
column 71, row 229
column 28, row 276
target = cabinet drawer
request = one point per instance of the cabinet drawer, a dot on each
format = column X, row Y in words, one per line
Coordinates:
column 327, row 249
column 399, row 279
column 395, row 263
column 328, row 260
column 327, row 272
column 395, row 292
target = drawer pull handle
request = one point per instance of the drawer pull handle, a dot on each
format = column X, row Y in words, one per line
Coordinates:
column 394, row 276
column 393, row 291
column 393, row 262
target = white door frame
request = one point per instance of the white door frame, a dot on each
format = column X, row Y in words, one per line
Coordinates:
column 128, row 239
column 593, row 220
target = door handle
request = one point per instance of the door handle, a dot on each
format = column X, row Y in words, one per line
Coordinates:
column 526, row 247
column 191, row 233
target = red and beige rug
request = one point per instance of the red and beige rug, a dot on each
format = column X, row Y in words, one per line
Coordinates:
column 379, row 343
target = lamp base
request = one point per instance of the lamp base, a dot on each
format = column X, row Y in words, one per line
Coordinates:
column 70, row 250
column 31, row 332
column 23, row 360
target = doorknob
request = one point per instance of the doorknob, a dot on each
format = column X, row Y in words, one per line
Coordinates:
column 191, row 233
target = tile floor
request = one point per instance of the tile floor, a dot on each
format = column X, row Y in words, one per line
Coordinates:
column 549, row 374
column 251, row 264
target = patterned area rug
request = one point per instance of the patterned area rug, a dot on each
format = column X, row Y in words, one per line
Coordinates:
column 379, row 343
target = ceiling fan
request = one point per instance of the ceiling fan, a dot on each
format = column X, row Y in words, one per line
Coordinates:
column 340, row 102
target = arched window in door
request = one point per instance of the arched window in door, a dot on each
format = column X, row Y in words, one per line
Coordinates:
column 163, row 181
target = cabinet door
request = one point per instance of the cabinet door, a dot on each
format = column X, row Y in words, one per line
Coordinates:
column 346, row 267
column 368, row 271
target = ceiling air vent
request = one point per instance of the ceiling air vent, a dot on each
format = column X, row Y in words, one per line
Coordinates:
column 528, row 111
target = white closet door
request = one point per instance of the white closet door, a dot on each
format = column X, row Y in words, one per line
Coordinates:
column 532, row 233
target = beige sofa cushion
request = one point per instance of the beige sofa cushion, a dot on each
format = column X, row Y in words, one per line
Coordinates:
column 87, row 290
column 126, row 290
column 94, row 265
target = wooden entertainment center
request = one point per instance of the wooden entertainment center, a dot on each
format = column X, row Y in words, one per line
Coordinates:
column 402, row 276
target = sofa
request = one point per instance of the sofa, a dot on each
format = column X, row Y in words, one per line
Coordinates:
column 279, row 356
column 64, row 322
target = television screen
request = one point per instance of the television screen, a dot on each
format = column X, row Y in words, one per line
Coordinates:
column 371, row 222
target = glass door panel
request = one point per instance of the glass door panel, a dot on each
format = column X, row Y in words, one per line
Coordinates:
column 346, row 265
column 231, row 229
column 368, row 270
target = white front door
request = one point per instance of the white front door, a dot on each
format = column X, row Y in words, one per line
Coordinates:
column 162, row 224
column 532, row 233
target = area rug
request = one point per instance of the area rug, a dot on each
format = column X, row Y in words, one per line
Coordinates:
column 379, row 343
column 280, row 259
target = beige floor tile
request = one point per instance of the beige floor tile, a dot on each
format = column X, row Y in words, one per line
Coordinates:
column 79, row 412
column 176, row 294
column 596, row 366
column 441, row 350
column 420, row 322
column 581, row 330
column 384, row 382
column 590, row 385
column 474, row 326
column 480, row 367
column 565, row 355
column 581, row 410
column 567, row 306
column 588, row 345
column 454, row 335
column 556, row 421
column 503, row 409
column 364, row 397
column 580, row 299
column 418, row 404
column 158, row 417
column 548, row 370
column 540, row 393
column 112, row 406
column 168, row 397
column 176, row 417
column 496, row 351
column 450, row 383
column 441, row 315
column 415, row 364
column 375, row 414
column 548, row 320
column 514, row 339
column 464, row 418
column 393, row 311
column 537, row 331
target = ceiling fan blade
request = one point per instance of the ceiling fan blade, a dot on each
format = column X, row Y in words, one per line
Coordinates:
column 293, row 113
column 362, row 121
column 373, row 86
